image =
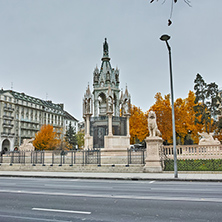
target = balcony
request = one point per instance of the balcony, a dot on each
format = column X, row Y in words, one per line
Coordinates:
column 8, row 117
column 30, row 128
column 3, row 134
column 8, row 109
column 7, row 125
column 29, row 121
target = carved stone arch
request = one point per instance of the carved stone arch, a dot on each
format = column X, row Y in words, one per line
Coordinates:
column 6, row 145
column 102, row 104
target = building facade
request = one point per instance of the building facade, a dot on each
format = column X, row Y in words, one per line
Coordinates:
column 21, row 117
column 69, row 119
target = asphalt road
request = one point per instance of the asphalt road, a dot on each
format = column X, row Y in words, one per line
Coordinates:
column 62, row 200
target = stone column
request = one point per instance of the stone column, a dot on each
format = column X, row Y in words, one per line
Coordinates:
column 87, row 125
column 88, row 139
column 153, row 160
column 127, row 125
column 110, row 124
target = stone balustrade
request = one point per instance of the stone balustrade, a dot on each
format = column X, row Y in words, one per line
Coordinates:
column 194, row 151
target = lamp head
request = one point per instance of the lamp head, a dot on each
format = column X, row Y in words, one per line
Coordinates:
column 165, row 38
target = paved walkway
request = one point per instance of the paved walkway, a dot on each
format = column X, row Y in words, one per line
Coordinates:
column 182, row 176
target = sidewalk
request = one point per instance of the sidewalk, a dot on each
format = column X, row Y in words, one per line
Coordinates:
column 169, row 176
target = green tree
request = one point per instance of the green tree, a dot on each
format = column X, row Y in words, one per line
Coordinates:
column 80, row 138
column 200, row 108
column 207, row 102
column 213, row 101
column 70, row 137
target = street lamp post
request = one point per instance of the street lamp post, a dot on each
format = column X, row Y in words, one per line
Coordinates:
column 165, row 38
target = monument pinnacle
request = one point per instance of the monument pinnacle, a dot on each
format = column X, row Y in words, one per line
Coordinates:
column 105, row 49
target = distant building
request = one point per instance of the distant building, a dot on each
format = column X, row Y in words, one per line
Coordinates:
column 69, row 119
column 21, row 116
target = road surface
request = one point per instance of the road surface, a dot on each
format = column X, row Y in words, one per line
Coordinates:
column 63, row 200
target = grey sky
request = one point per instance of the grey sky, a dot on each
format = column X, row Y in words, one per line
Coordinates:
column 49, row 48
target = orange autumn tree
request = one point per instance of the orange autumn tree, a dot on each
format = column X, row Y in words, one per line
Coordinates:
column 192, row 127
column 138, row 125
column 180, row 120
column 184, row 118
column 46, row 138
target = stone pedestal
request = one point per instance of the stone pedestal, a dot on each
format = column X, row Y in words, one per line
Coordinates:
column 153, row 161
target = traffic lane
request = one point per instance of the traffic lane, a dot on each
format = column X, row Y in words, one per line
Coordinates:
column 139, row 188
column 24, row 206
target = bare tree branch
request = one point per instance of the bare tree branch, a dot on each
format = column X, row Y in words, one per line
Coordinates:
column 188, row 2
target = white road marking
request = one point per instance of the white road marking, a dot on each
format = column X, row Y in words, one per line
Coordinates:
column 166, row 198
column 61, row 211
column 32, row 218
column 152, row 181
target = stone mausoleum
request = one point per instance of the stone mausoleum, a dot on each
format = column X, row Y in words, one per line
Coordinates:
column 107, row 109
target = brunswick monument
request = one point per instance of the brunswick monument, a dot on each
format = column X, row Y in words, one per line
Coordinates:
column 106, row 110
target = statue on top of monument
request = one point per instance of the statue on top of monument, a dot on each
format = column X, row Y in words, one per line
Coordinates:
column 105, row 48
column 126, row 107
column 87, row 102
column 110, row 104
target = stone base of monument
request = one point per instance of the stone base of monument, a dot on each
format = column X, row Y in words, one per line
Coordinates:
column 153, row 161
column 112, row 142
column 88, row 142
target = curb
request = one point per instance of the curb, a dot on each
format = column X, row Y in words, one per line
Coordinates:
column 115, row 178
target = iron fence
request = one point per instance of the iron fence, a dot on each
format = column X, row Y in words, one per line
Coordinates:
column 93, row 156
column 17, row 157
column 136, row 156
column 37, row 157
column 57, row 157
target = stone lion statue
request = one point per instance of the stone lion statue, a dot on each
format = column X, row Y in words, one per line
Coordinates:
column 152, row 125
column 27, row 145
column 207, row 139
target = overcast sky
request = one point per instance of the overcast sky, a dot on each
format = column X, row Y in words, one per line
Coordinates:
column 49, row 48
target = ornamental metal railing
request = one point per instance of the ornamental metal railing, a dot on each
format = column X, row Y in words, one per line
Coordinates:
column 136, row 156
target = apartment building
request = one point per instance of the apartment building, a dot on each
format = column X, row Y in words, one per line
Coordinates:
column 21, row 116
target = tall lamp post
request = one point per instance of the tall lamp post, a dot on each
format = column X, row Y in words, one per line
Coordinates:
column 165, row 38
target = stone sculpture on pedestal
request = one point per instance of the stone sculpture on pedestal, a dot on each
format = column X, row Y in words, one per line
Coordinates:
column 207, row 139
column 154, row 146
column 152, row 125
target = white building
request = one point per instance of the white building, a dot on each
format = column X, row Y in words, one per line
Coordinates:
column 69, row 119
column 21, row 116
